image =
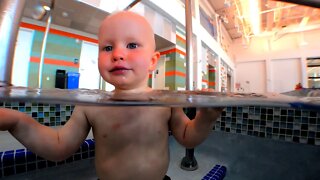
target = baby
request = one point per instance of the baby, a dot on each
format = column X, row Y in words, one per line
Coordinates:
column 131, row 142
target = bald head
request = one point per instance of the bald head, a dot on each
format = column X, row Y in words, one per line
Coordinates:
column 129, row 22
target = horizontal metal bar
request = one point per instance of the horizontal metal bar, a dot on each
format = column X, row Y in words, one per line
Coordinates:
column 132, row 4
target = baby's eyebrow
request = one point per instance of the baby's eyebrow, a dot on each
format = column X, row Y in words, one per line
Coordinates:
column 105, row 43
column 132, row 39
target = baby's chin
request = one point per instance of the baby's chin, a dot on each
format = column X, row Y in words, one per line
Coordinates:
column 126, row 89
column 131, row 95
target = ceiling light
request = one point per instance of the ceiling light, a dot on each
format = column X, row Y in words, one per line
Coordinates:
column 38, row 12
column 65, row 14
column 47, row 8
column 255, row 16
column 304, row 21
column 227, row 3
column 225, row 19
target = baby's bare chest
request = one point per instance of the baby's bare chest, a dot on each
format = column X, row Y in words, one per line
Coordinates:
column 131, row 124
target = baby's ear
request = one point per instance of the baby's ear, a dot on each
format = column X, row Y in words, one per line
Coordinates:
column 154, row 60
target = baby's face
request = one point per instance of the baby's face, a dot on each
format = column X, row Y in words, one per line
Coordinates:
column 126, row 51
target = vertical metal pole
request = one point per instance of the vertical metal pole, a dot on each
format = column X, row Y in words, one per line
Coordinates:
column 189, row 162
column 10, row 16
column 188, row 17
column 43, row 49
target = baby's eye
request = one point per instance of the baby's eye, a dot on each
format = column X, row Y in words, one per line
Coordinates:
column 107, row 48
column 132, row 45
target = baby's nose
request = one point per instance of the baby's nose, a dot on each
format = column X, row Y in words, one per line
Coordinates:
column 118, row 54
column 117, row 58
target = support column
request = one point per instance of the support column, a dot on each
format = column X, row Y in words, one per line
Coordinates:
column 10, row 16
column 304, row 73
column 189, row 162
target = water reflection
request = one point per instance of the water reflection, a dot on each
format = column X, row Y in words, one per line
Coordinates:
column 304, row 98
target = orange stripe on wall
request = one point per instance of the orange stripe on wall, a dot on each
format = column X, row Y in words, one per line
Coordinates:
column 54, row 62
column 180, row 52
column 172, row 51
column 167, row 51
column 180, row 38
column 205, row 81
column 175, row 73
column 212, row 83
column 58, row 32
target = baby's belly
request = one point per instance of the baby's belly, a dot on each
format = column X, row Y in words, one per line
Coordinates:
column 133, row 163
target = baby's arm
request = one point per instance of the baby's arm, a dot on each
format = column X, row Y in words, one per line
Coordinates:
column 191, row 133
column 49, row 143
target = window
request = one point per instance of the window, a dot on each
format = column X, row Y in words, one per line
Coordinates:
column 208, row 23
column 313, row 70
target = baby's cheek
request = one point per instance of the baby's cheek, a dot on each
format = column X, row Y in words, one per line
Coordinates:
column 102, row 66
column 145, row 67
column 103, row 63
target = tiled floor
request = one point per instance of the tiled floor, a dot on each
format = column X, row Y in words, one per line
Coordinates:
column 245, row 157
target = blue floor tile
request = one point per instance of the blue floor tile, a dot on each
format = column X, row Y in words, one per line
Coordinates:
column 218, row 172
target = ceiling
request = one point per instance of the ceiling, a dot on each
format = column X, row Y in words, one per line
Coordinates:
column 276, row 16
column 77, row 15
column 70, row 13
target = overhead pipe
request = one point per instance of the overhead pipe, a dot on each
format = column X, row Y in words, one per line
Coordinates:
column 10, row 17
column 43, row 49
column 131, row 5
column 44, row 43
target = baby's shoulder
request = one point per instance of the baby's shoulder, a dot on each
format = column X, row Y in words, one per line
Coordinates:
column 91, row 111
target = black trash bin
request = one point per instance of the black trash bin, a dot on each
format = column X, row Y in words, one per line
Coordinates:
column 60, row 79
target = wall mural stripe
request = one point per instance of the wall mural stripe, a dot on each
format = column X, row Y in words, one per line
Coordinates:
column 175, row 73
column 58, row 32
column 174, row 50
column 54, row 62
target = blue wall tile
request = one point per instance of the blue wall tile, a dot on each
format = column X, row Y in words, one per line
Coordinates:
column 31, row 166
column 21, row 168
column 31, row 157
column 7, row 171
column 20, row 157
column 51, row 163
column 285, row 124
column 41, row 164
column 1, row 153
column 8, row 159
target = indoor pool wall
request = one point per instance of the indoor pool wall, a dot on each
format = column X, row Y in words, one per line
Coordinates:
column 284, row 124
column 299, row 128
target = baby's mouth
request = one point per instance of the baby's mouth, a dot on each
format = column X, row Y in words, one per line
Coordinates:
column 119, row 69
